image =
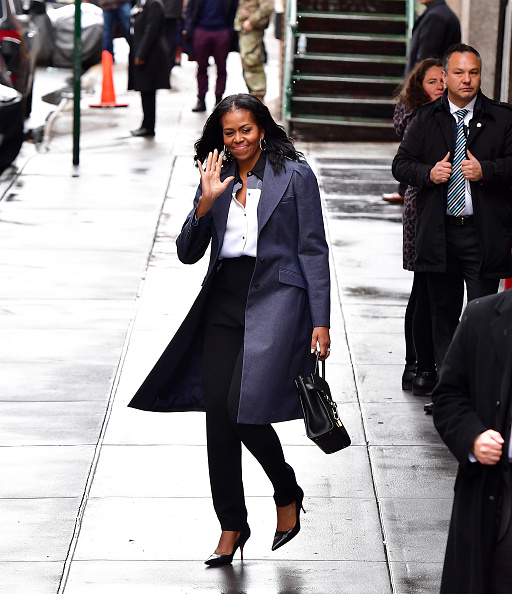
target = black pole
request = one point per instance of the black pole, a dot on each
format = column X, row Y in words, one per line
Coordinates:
column 77, row 72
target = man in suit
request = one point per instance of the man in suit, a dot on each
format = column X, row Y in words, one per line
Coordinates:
column 434, row 32
column 458, row 152
column 473, row 413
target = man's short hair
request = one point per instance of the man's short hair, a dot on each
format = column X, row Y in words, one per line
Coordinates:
column 460, row 48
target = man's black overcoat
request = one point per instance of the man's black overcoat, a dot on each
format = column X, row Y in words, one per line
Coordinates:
column 434, row 32
column 427, row 140
column 148, row 43
column 473, row 395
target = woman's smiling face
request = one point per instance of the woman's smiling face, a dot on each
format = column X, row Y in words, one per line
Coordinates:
column 242, row 135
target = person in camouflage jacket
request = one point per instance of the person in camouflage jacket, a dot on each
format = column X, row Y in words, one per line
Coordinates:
column 251, row 20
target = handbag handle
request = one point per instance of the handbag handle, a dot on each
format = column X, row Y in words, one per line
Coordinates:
column 316, row 365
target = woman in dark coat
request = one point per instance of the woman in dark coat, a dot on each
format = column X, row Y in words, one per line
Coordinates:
column 424, row 84
column 262, row 312
column 149, row 60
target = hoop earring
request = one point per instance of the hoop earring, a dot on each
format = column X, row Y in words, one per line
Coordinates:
column 263, row 147
column 226, row 155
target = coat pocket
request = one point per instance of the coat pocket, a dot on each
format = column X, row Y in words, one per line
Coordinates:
column 288, row 277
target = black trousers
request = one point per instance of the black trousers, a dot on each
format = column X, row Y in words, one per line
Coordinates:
column 446, row 290
column 148, row 99
column 419, row 345
column 222, row 373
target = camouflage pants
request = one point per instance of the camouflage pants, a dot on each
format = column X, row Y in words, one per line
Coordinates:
column 251, row 53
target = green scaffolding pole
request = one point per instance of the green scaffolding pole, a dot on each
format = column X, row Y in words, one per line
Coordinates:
column 77, row 72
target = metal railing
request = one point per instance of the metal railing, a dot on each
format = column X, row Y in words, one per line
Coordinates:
column 288, row 57
column 289, row 52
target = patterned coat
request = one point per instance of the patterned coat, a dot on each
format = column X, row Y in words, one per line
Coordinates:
column 402, row 117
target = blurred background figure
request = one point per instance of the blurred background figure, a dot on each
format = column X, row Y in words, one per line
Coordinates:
column 252, row 18
column 149, row 60
column 434, row 32
column 172, row 13
column 115, row 13
column 424, row 84
column 209, row 32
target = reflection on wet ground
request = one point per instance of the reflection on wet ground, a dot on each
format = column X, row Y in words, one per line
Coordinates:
column 354, row 188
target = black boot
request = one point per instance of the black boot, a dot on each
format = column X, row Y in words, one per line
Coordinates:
column 200, row 105
column 146, row 132
column 408, row 376
column 423, row 383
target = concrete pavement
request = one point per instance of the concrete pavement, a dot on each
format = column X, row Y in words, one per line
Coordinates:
column 99, row 498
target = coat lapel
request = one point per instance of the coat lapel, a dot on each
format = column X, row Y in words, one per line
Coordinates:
column 445, row 123
column 273, row 189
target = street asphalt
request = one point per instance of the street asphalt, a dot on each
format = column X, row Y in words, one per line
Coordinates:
column 96, row 498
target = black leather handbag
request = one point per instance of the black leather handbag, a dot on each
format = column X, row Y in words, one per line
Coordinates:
column 323, row 424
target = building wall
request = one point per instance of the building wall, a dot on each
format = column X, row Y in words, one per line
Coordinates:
column 481, row 18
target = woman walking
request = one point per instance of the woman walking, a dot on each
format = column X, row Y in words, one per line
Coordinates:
column 262, row 312
column 149, row 66
column 424, row 84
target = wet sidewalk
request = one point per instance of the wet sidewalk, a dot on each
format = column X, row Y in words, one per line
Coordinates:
column 97, row 498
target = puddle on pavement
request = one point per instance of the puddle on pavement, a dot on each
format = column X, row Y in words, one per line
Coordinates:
column 373, row 292
column 354, row 187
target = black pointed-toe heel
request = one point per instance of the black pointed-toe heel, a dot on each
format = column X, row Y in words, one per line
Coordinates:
column 281, row 538
column 216, row 560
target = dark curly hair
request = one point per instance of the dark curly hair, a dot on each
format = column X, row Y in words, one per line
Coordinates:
column 278, row 145
column 412, row 92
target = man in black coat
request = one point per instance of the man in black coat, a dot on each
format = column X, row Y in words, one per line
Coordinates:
column 472, row 412
column 149, row 64
column 434, row 32
column 468, row 241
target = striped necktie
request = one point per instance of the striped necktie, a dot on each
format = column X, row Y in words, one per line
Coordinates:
column 457, row 184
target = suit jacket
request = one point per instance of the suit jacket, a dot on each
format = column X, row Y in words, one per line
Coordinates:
column 193, row 14
column 473, row 395
column 434, row 32
column 429, row 137
column 288, row 296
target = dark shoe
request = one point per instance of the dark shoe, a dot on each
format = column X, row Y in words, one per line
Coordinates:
column 200, row 106
column 393, row 198
column 429, row 408
column 408, row 376
column 142, row 132
column 216, row 560
column 423, row 383
column 281, row 538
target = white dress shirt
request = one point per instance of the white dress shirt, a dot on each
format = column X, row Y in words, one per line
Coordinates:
column 241, row 235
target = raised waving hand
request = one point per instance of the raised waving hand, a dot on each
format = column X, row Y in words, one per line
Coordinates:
column 211, row 183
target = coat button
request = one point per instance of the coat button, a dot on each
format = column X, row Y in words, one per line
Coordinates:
column 491, row 498
column 263, row 260
column 257, row 286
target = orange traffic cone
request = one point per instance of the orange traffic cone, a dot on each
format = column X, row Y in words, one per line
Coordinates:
column 108, row 95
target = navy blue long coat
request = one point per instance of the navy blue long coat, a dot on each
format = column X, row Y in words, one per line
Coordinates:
column 288, row 296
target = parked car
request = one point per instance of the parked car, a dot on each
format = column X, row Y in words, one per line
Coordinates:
column 11, row 124
column 56, row 24
column 20, row 42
